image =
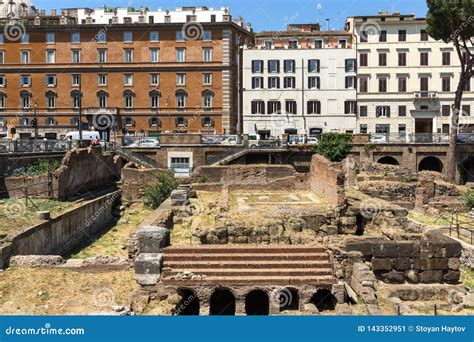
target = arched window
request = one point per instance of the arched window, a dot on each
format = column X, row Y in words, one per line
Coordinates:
column 128, row 96
column 154, row 99
column 102, row 99
column 207, row 99
column 51, row 99
column 181, row 99
column 76, row 99
column 25, row 97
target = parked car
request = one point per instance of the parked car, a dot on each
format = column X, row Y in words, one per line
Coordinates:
column 231, row 140
column 145, row 143
column 86, row 135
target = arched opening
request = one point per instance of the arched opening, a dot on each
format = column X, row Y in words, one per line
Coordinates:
column 387, row 160
column 431, row 164
column 257, row 303
column 289, row 300
column 324, row 300
column 467, row 170
column 188, row 305
column 222, row 303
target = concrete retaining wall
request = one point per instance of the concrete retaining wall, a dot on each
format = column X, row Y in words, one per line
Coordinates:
column 63, row 234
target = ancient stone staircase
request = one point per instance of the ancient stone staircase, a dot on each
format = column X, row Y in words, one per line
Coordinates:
column 247, row 265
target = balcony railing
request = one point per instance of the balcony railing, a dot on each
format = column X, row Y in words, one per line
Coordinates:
column 419, row 138
column 425, row 96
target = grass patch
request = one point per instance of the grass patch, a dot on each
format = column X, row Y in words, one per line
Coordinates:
column 467, row 277
column 430, row 220
column 41, row 291
column 114, row 242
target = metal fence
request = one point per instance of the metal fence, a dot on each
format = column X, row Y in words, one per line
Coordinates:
column 225, row 139
column 32, row 145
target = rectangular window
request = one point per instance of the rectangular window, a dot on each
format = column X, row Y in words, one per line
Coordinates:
column 258, row 107
column 181, row 100
column 25, row 101
column 364, row 37
column 402, row 59
column 350, row 65
column 51, row 101
column 76, row 56
column 350, row 82
column 289, row 66
column 289, row 82
column 445, row 128
column 50, row 56
column 3, row 81
column 318, row 44
column 25, row 80
column 128, row 37
column 273, row 66
column 424, row 58
column 76, row 80
column 207, row 79
column 350, row 107
column 382, row 111
column 257, row 82
column 180, row 79
column 363, row 129
column 154, row 79
column 363, row 84
column 314, row 107
column 402, row 35
column 2, row 57
column 268, row 44
column 180, row 36
column 293, row 44
column 314, row 82
column 207, row 36
column 102, row 80
column 402, row 84
column 2, row 40
column 207, row 55
column 383, row 36
column 291, row 107
column 25, row 57
column 424, row 83
column 274, row 107
column 402, row 110
column 423, row 36
column 102, row 55
column 50, row 80
column 382, row 85
column 128, row 79
column 154, row 103
column 342, row 44
column 257, row 66
column 446, row 83
column 466, row 110
column 382, row 59
column 154, row 55
column 313, row 65
column 102, row 101
column 363, row 59
column 180, row 55
column 363, row 110
column 446, row 58
column 75, row 37
column 50, row 38
column 128, row 55
column 274, row 82
column 445, row 110
column 154, row 36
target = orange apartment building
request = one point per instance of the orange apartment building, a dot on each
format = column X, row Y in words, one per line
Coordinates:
column 139, row 72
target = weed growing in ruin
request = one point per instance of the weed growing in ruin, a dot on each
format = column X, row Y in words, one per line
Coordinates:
column 468, row 198
column 157, row 193
column 334, row 146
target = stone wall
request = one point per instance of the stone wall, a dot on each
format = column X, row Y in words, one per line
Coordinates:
column 328, row 179
column 241, row 177
column 35, row 186
column 135, row 180
column 432, row 259
column 65, row 233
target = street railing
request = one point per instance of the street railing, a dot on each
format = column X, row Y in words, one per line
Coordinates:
column 39, row 145
column 221, row 139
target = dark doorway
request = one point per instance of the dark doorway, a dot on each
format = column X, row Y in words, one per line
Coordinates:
column 388, row 161
column 467, row 170
column 431, row 164
column 257, row 303
column 188, row 305
column 222, row 303
column 289, row 300
column 361, row 222
column 324, row 300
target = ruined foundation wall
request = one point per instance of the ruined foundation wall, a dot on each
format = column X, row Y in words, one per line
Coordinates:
column 328, row 179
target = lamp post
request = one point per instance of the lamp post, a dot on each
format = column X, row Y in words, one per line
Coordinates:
column 80, row 111
column 35, row 106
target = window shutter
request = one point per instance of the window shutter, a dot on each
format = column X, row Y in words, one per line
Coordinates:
column 318, row 81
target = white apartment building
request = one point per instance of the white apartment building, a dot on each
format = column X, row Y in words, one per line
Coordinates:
column 300, row 81
column 406, row 79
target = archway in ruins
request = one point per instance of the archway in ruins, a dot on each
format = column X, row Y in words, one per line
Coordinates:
column 189, row 303
column 257, row 303
column 387, row 160
column 222, row 303
column 289, row 299
column 467, row 170
column 431, row 164
column 324, row 300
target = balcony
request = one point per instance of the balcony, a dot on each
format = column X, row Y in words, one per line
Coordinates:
column 425, row 97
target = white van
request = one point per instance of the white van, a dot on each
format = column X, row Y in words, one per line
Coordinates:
column 86, row 135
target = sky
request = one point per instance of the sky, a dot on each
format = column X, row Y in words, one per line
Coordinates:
column 267, row 15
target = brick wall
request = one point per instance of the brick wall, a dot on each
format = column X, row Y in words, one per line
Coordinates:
column 327, row 178
column 134, row 182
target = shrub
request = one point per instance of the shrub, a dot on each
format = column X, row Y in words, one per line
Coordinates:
column 468, row 198
column 334, row 146
column 41, row 168
column 157, row 193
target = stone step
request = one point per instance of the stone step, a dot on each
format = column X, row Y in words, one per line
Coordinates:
column 213, row 249
column 248, row 264
column 245, row 256
column 254, row 280
column 282, row 272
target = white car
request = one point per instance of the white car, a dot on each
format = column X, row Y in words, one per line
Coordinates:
column 145, row 143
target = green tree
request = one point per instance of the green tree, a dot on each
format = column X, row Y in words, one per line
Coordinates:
column 334, row 146
column 158, row 192
column 452, row 21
